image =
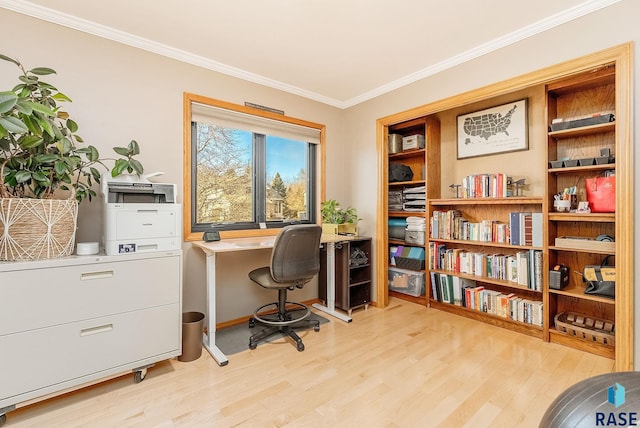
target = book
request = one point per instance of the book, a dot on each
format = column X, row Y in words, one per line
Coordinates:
column 525, row 228
column 480, row 264
column 528, row 229
column 512, row 269
column 522, row 259
column 465, row 286
column 442, row 249
column 536, row 219
column 435, row 286
column 444, row 288
column 457, row 290
column 514, row 304
column 531, row 271
column 463, row 260
column 538, row 270
column 470, row 297
column 514, row 228
column 450, row 288
column 503, row 305
column 431, row 252
column 477, row 304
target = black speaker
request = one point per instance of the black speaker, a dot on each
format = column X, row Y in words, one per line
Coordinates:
column 559, row 277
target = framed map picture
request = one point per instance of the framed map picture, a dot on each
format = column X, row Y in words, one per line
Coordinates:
column 494, row 130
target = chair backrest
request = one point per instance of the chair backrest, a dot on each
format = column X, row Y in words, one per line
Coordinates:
column 296, row 253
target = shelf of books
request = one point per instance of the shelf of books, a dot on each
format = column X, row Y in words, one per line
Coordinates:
column 485, row 260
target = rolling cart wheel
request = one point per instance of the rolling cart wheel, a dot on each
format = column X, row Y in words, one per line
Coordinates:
column 140, row 375
column 3, row 419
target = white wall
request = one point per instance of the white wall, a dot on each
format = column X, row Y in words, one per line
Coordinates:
column 609, row 27
column 121, row 93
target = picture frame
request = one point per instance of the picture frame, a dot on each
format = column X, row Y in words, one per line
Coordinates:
column 494, row 130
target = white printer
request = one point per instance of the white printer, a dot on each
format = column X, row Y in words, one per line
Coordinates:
column 140, row 216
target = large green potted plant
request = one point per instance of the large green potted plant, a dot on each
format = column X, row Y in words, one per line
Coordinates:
column 41, row 153
column 337, row 220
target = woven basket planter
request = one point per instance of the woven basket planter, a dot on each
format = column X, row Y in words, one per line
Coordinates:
column 37, row 229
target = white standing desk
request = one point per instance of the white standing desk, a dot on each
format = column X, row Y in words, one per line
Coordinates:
column 211, row 249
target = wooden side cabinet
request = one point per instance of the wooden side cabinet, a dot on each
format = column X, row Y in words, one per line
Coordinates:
column 70, row 322
column 353, row 274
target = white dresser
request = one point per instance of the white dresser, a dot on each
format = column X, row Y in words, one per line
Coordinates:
column 69, row 322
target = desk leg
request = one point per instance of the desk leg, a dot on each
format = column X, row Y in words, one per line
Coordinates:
column 331, row 286
column 209, row 340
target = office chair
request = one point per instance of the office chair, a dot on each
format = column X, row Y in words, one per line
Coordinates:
column 295, row 260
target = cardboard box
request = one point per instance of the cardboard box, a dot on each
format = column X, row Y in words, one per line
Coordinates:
column 413, row 142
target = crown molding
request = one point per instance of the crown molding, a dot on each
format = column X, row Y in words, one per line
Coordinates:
column 90, row 27
column 493, row 45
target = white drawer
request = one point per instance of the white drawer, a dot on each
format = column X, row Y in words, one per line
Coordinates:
column 144, row 223
column 65, row 353
column 38, row 298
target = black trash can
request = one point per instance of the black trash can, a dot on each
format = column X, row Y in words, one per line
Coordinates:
column 192, row 330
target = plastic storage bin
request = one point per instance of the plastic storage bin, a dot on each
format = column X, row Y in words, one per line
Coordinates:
column 397, row 228
column 409, row 263
column 406, row 281
column 414, row 237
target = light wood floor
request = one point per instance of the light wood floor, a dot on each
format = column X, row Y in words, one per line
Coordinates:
column 402, row 366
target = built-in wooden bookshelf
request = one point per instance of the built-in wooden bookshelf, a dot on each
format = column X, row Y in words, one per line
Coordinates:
column 582, row 94
column 425, row 166
column 597, row 83
column 497, row 211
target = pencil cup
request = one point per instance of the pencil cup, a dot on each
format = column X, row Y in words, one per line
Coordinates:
column 562, row 205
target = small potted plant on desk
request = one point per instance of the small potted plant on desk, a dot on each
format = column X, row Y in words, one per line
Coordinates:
column 336, row 220
column 39, row 155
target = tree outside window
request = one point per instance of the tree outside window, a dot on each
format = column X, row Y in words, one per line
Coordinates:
column 228, row 191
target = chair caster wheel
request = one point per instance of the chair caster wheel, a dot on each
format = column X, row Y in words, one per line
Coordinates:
column 300, row 346
column 316, row 329
column 252, row 346
column 252, row 322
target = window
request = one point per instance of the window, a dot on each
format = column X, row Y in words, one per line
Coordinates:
column 247, row 169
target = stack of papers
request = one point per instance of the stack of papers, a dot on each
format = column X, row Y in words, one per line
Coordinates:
column 416, row 223
column 414, row 199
